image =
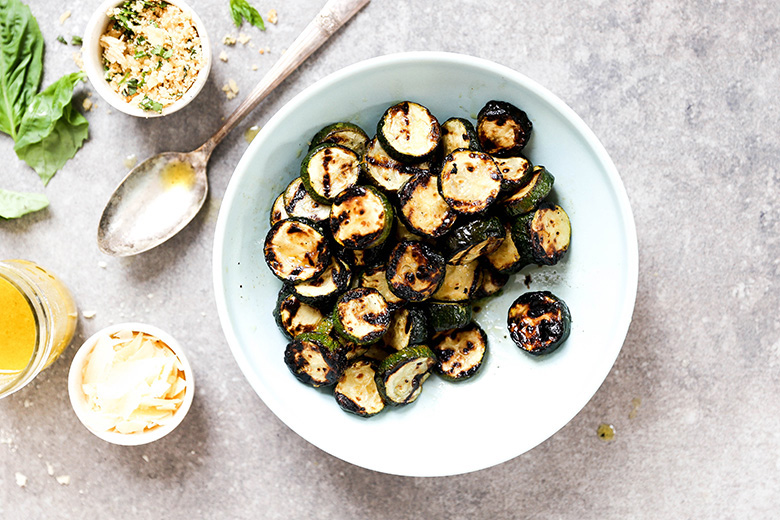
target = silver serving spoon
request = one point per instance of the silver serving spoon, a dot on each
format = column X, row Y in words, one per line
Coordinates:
column 162, row 194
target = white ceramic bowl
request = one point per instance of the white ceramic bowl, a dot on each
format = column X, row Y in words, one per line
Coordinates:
column 516, row 401
column 79, row 403
column 92, row 55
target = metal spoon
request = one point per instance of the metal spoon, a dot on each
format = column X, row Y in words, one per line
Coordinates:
column 162, row 194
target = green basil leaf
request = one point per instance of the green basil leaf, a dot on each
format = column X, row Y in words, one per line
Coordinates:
column 240, row 10
column 52, row 130
column 14, row 204
column 21, row 62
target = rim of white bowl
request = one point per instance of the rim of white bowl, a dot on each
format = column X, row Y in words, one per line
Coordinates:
column 632, row 272
column 77, row 399
column 93, row 64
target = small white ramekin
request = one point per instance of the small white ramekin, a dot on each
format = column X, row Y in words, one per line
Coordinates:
column 79, row 401
column 93, row 61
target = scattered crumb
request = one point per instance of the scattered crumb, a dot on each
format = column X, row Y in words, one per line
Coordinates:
column 203, row 314
column 635, row 403
column 223, row 56
column 64, row 16
column 89, row 314
column 230, row 89
column 254, row 67
column 21, row 480
column 261, row 51
column 272, row 16
column 229, row 40
column 150, row 295
column 50, row 469
column 102, row 264
column 108, row 111
column 77, row 60
column 145, row 457
column 233, row 86
column 63, row 480
column 266, row 50
column 27, row 403
column 243, row 39
column 87, row 104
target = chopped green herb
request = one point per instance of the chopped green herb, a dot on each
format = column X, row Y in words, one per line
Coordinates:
column 76, row 40
column 140, row 54
column 140, row 39
column 124, row 78
column 131, row 88
column 240, row 10
column 61, row 40
column 162, row 52
column 149, row 104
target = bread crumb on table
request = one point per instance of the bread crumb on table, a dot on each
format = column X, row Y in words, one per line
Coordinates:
column 243, row 38
column 21, row 480
column 229, row 40
column 87, row 104
column 223, row 56
column 272, row 16
column 63, row 480
column 230, row 89
column 64, row 16
column 77, row 60
column 254, row 66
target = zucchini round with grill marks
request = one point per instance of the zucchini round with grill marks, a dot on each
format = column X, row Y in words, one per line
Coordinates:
column 515, row 172
column 507, row 259
column 503, row 129
column 543, row 236
column 345, row 134
column 415, row 271
column 296, row 250
column 529, row 196
column 298, row 203
column 460, row 282
column 327, row 285
column 423, row 209
column 356, row 390
column 294, row 316
column 408, row 326
column 460, row 352
column 401, row 375
column 456, row 134
column 539, row 322
column 315, row 359
column 448, row 315
column 361, row 315
column 469, row 181
column 408, row 132
column 376, row 278
column 490, row 282
column 385, row 172
column 329, row 169
column 277, row 210
column 361, row 218
column 474, row 239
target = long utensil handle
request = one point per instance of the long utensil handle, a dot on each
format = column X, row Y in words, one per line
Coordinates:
column 332, row 16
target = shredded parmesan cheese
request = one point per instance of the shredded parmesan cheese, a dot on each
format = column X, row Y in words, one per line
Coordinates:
column 132, row 382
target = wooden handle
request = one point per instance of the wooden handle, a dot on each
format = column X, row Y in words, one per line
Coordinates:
column 332, row 16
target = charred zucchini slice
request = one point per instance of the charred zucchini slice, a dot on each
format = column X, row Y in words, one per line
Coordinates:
column 408, row 326
column 415, row 271
column 423, row 209
column 296, row 250
column 529, row 196
column 539, row 322
column 460, row 352
column 361, row 218
column 345, row 134
column 448, row 315
column 408, row 132
column 474, row 239
column 401, row 375
column 361, row 315
column 385, row 172
column 325, row 287
column 376, row 278
column 456, row 134
column 329, row 169
column 402, row 231
column 503, row 129
column 294, row 316
column 469, row 181
column 490, row 282
column 298, row 203
column 507, row 259
column 460, row 282
column 315, row 359
column 357, row 258
column 277, row 210
column 515, row 172
column 356, row 390
column 543, row 236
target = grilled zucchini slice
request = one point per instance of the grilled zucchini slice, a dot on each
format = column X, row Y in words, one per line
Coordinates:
column 490, row 282
column 460, row 282
column 345, row 134
column 361, row 218
column 543, row 236
column 415, row 271
column 376, row 278
column 529, row 196
column 357, row 258
column 356, row 391
column 456, row 134
column 298, row 203
column 329, row 169
column 296, row 250
column 471, row 240
column 361, row 315
column 408, row 132
column 401, row 375
column 385, row 172
column 469, row 181
column 515, row 172
column 423, row 209
column 315, row 359
column 448, row 315
column 503, row 129
column 294, row 316
column 277, row 210
column 506, row 259
column 325, row 287
column 539, row 322
column 460, row 352
column 408, row 326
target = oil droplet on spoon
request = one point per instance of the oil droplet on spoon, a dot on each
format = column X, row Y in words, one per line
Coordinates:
column 250, row 133
column 177, row 174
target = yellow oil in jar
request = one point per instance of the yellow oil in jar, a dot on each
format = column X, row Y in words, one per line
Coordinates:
column 178, row 174
column 17, row 329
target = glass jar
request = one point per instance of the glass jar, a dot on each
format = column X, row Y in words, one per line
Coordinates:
column 37, row 321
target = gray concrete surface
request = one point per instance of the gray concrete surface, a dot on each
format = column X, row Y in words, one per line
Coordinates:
column 684, row 95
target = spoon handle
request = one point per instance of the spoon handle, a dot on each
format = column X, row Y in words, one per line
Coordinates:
column 332, row 16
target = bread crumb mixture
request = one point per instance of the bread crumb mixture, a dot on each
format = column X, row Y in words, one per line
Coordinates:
column 151, row 53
